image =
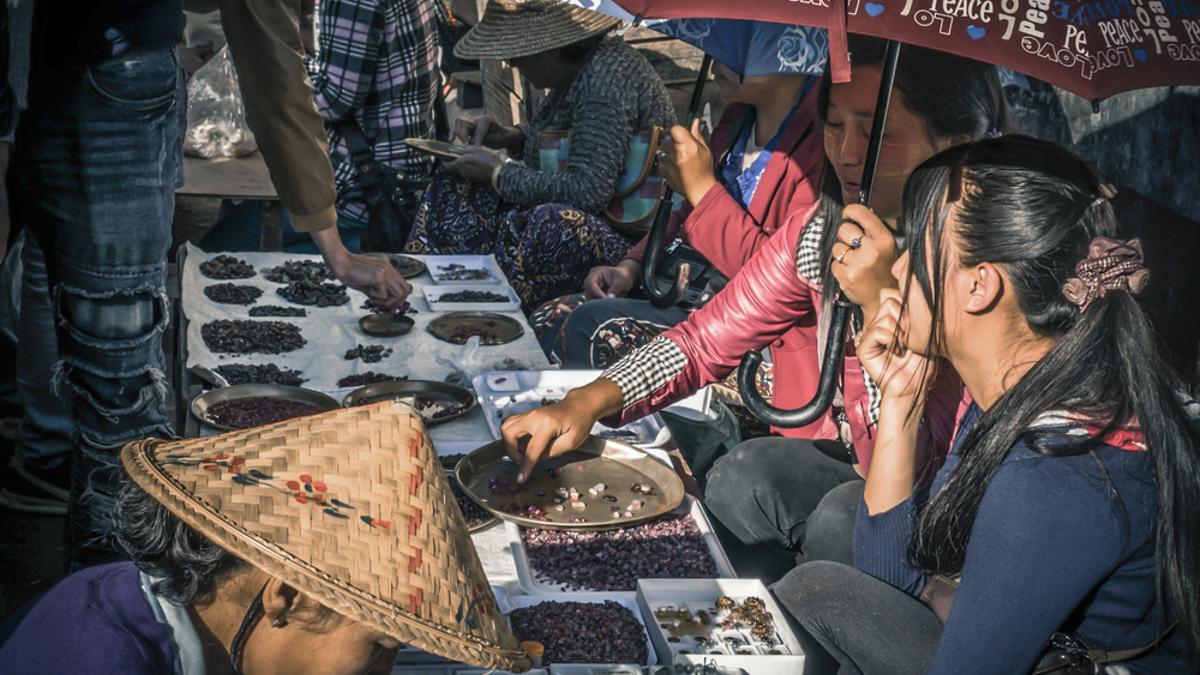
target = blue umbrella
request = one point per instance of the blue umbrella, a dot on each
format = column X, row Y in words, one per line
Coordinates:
column 748, row 48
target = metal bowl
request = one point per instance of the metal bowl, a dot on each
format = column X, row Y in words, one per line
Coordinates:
column 204, row 402
column 618, row 465
column 438, row 391
column 504, row 329
column 386, row 324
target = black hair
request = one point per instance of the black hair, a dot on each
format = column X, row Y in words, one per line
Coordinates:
column 956, row 98
column 186, row 564
column 1033, row 208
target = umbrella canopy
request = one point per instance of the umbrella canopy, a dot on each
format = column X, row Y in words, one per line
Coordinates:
column 1093, row 49
column 747, row 47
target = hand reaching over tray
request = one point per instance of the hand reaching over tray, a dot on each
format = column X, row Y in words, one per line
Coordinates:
column 559, row 428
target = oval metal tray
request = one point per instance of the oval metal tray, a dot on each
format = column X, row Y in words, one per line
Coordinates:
column 618, row 465
column 202, row 403
column 406, row 265
column 504, row 329
column 386, row 325
column 438, row 391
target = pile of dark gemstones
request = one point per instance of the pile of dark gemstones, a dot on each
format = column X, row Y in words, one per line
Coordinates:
column 458, row 272
column 233, row 294
column 436, row 410
column 299, row 270
column 368, row 353
column 582, row 632
column 278, row 310
column 254, row 412
column 451, row 461
column 242, row 336
column 369, row 377
column 265, row 374
column 327, row 294
column 473, row 513
column 670, row 547
column 226, row 267
column 472, row 296
column 370, row 307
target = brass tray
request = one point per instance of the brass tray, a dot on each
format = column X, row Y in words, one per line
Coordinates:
column 617, row 465
column 438, row 391
column 440, row 149
column 458, row 327
column 384, row 324
column 406, row 265
column 202, row 403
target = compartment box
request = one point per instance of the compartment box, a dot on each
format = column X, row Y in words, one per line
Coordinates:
column 434, row 295
column 702, row 593
column 442, row 272
column 531, row 584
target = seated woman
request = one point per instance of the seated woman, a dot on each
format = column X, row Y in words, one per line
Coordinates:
column 766, row 162
column 546, row 228
column 765, row 489
column 248, row 556
column 1068, row 503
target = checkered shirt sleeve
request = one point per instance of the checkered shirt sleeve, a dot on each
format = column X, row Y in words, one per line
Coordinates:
column 646, row 370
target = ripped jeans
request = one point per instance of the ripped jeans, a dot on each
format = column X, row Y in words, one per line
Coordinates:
column 99, row 158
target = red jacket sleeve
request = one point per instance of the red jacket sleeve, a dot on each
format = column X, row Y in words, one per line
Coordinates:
column 761, row 303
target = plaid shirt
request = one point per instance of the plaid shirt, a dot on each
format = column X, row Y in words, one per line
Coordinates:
column 375, row 63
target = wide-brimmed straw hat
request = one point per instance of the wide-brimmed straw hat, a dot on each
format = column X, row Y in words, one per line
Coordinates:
column 511, row 29
column 351, row 507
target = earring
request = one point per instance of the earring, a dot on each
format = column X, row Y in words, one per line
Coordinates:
column 279, row 623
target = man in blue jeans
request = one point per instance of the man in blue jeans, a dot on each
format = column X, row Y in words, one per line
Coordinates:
column 98, row 161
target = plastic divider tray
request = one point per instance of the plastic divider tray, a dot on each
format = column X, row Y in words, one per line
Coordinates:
column 530, row 583
column 434, row 295
column 437, row 265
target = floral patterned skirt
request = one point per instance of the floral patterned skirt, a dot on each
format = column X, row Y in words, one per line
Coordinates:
column 545, row 251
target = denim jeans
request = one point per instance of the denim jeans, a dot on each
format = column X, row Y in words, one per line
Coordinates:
column 47, row 422
column 99, row 158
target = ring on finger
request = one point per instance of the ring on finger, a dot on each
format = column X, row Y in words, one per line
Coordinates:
column 841, row 255
column 856, row 243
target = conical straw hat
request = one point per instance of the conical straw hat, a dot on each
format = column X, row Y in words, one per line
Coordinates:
column 511, row 29
column 351, row 507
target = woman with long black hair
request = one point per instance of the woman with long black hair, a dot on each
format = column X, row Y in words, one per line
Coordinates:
column 1066, row 505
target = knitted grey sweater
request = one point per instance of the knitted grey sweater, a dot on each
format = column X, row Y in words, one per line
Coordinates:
column 615, row 94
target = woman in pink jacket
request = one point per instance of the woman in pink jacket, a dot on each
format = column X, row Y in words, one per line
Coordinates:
column 766, row 489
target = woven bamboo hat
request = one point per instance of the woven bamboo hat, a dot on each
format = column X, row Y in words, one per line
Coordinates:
column 351, row 507
column 513, row 28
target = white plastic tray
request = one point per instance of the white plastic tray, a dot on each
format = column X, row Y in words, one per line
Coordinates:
column 595, row 669
column 627, row 600
column 653, row 593
column 433, row 296
column 478, row 262
column 511, row 392
column 530, row 583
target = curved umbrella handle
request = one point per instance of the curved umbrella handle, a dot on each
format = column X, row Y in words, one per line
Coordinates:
column 654, row 246
column 826, row 387
column 835, row 343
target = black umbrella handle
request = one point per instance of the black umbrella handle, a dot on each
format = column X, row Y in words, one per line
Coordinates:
column 658, row 229
column 835, row 342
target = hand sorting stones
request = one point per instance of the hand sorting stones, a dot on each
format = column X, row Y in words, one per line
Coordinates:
column 253, row 412
column 305, row 292
column 278, row 310
column 226, row 267
column 243, row 336
column 233, row 294
column 369, row 377
column 369, row 306
column 264, row 374
column 299, row 270
column 368, row 353
column 670, row 547
column 582, row 632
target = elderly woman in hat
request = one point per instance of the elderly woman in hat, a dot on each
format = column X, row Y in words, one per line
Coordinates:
column 546, row 228
column 284, row 549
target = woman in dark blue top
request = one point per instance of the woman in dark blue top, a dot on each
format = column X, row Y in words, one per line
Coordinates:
column 1066, row 503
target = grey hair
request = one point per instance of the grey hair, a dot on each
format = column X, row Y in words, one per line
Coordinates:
column 187, row 565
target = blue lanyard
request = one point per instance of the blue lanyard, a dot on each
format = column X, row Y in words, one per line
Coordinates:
column 743, row 184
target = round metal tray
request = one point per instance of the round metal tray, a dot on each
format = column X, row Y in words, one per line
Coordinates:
column 438, row 391
column 406, row 265
column 504, row 329
column 385, row 324
column 439, row 149
column 202, row 403
column 618, row 465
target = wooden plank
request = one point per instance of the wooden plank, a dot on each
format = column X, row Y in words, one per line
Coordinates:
column 230, row 178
